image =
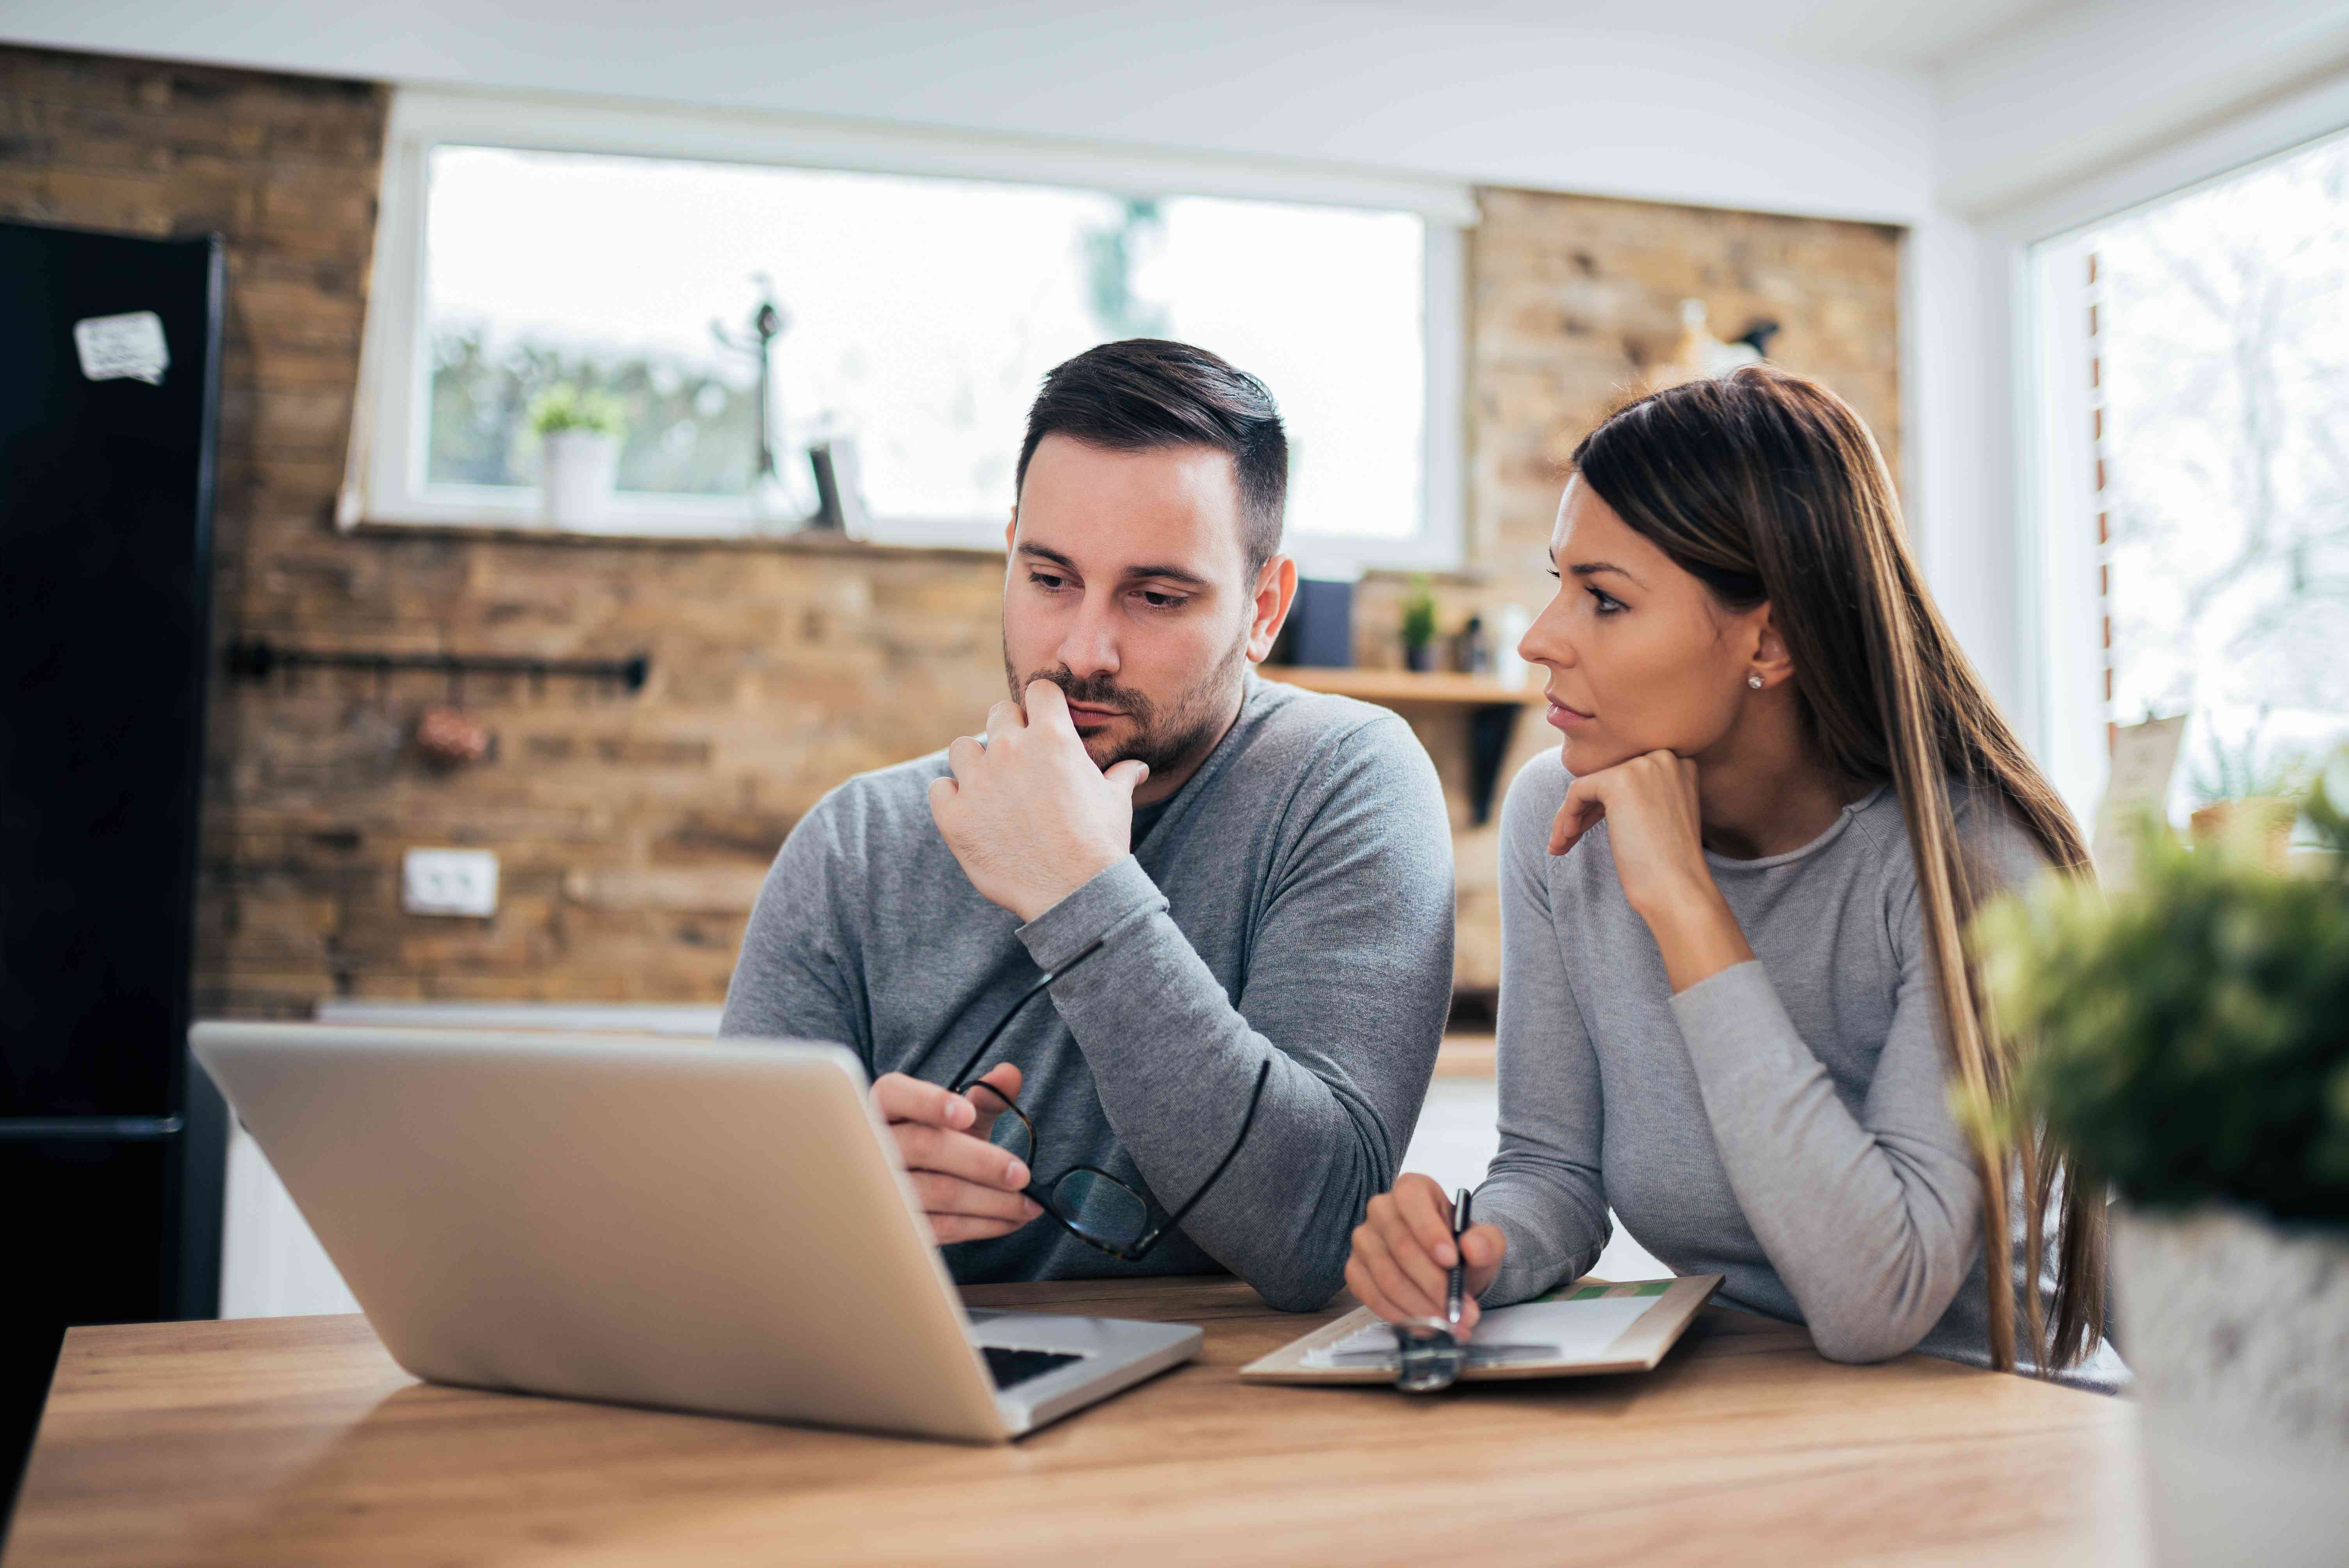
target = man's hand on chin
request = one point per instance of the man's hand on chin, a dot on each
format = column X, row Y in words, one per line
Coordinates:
column 1026, row 813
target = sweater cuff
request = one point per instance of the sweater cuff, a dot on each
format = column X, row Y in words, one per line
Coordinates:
column 1113, row 897
column 1525, row 1273
column 1726, row 1012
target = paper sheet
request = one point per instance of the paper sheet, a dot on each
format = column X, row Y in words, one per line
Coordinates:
column 1581, row 1330
column 2144, row 757
column 123, row 347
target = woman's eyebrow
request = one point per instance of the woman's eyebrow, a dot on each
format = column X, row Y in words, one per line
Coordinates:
column 1593, row 567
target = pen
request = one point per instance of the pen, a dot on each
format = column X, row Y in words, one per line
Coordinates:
column 1460, row 1205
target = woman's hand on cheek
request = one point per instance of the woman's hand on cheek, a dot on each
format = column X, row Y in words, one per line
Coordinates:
column 1656, row 831
column 1650, row 804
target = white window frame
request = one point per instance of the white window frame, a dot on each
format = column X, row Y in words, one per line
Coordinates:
column 384, row 480
column 2058, row 554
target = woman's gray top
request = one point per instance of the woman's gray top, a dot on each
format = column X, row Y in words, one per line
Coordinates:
column 1784, row 1124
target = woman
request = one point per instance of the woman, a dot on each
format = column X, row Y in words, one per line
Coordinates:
column 1733, row 995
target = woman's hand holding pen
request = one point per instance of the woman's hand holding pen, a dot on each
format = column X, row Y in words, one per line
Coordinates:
column 1403, row 1253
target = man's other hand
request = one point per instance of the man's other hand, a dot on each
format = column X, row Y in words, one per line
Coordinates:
column 970, row 1190
column 1027, row 815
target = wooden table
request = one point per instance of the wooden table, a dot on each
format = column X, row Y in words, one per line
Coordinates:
column 297, row 1441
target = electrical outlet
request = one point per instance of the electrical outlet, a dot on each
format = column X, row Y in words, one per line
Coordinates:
column 450, row 881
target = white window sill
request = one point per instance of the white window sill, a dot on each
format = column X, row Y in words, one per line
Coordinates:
column 1317, row 554
column 692, row 534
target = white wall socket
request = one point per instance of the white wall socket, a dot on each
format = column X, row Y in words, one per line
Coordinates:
column 450, row 881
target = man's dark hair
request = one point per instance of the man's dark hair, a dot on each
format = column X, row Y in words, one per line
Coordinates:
column 1145, row 393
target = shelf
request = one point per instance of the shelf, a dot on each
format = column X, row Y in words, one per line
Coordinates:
column 1493, row 710
column 1468, row 1056
column 1391, row 687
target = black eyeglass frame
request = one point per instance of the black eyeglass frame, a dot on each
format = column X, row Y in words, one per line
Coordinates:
column 1040, row 1193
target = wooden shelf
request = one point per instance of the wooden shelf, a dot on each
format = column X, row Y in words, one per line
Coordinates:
column 1493, row 710
column 1469, row 1056
column 1390, row 686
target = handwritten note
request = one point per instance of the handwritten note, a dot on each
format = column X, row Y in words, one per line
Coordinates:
column 127, row 348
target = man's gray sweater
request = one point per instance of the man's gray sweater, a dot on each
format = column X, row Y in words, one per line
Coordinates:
column 1292, row 901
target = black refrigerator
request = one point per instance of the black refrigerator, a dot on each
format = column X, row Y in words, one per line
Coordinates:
column 112, row 1145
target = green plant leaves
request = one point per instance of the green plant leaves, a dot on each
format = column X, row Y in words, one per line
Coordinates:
column 2188, row 1039
column 564, row 406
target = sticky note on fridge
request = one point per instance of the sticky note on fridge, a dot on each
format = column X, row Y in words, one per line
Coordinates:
column 123, row 347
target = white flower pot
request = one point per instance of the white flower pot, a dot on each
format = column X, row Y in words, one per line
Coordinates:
column 2238, row 1330
column 577, row 473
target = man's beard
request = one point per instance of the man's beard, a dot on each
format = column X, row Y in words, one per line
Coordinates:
column 1162, row 739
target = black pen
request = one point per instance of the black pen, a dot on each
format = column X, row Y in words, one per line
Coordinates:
column 1459, row 1260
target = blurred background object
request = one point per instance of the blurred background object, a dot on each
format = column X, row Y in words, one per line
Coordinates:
column 111, row 1141
column 1320, row 625
column 450, row 737
column 579, row 453
column 1699, row 354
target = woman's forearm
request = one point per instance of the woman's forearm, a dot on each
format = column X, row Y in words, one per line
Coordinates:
column 1869, row 1218
column 1697, row 934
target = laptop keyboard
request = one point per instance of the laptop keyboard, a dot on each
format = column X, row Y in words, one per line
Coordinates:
column 1010, row 1367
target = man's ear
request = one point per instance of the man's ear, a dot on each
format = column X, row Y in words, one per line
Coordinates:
column 1276, row 590
column 1010, row 531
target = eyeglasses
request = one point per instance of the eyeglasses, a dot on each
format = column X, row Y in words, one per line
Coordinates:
column 1085, row 1201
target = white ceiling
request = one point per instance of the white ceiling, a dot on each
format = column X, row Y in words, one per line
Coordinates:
column 1881, row 109
column 1672, row 118
column 1900, row 33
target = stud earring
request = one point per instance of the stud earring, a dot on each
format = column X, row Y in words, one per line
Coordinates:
column 1754, row 681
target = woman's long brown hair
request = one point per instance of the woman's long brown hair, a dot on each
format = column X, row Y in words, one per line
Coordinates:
column 1768, row 487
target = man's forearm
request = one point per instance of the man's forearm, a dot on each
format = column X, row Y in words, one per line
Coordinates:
column 1174, row 1061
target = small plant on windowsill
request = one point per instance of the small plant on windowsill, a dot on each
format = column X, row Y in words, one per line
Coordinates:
column 2238, row 779
column 579, row 453
column 1419, row 625
column 2188, row 1041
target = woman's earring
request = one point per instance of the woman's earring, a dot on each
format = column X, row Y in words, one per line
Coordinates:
column 1754, row 681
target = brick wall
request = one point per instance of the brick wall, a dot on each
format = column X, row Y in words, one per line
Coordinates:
column 632, row 831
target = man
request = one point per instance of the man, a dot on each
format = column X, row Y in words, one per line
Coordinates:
column 1225, row 872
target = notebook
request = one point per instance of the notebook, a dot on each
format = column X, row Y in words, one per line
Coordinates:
column 1590, row 1325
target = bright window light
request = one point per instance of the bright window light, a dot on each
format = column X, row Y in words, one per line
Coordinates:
column 2223, row 356
column 924, row 312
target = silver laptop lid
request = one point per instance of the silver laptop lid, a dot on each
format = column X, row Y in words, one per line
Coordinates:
column 720, row 1227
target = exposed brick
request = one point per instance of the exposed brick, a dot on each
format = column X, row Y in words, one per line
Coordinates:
column 633, row 831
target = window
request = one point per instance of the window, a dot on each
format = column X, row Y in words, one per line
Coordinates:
column 2197, row 354
column 924, row 301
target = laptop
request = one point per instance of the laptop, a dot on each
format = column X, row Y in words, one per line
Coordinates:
column 716, row 1227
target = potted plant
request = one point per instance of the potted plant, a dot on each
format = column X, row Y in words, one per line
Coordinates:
column 2187, row 1041
column 579, row 448
column 2238, row 782
column 1419, row 625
